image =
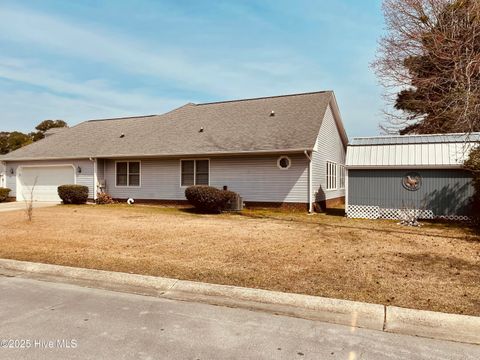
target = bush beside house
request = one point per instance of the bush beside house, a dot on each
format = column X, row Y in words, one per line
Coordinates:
column 104, row 199
column 73, row 194
column 4, row 194
column 209, row 199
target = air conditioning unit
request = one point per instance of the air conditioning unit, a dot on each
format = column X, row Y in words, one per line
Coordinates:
column 237, row 204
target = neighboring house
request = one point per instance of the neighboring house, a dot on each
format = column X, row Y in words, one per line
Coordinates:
column 274, row 151
column 388, row 175
column 54, row 131
column 3, row 178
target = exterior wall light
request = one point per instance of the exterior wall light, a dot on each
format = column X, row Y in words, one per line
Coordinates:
column 79, row 169
column 12, row 171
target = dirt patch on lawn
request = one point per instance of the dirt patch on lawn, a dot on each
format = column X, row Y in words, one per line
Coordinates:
column 436, row 267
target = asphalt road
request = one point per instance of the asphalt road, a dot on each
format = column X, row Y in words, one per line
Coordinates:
column 42, row 320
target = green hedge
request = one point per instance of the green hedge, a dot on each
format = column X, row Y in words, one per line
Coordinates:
column 209, row 199
column 73, row 194
column 4, row 194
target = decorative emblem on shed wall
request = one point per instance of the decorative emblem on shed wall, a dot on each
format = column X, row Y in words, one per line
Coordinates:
column 412, row 181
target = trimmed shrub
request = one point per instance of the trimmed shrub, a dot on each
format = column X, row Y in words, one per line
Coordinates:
column 230, row 198
column 4, row 194
column 209, row 199
column 104, row 199
column 73, row 194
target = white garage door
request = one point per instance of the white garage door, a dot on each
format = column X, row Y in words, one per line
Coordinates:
column 44, row 180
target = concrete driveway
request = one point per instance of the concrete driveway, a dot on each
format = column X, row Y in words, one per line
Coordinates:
column 19, row 205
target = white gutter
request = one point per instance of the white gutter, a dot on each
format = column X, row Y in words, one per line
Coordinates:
column 309, row 189
column 147, row 156
column 95, row 178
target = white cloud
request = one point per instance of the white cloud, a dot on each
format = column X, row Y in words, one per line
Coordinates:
column 59, row 96
column 263, row 73
column 95, row 91
column 25, row 109
column 198, row 69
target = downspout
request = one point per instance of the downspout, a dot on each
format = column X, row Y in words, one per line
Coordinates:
column 95, row 178
column 346, row 191
column 309, row 189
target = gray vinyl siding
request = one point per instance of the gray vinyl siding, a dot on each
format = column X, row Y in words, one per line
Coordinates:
column 255, row 178
column 329, row 147
column 445, row 192
column 100, row 169
column 84, row 178
column 260, row 179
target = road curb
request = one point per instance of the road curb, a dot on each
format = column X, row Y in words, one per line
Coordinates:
column 436, row 325
column 392, row 319
column 344, row 312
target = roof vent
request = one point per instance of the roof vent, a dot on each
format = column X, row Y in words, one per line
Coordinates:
column 201, row 129
column 272, row 113
column 122, row 135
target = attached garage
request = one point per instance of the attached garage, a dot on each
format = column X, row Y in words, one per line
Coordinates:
column 44, row 181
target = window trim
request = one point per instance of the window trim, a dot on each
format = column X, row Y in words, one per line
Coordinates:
column 128, row 174
column 284, row 157
column 194, row 171
column 334, row 179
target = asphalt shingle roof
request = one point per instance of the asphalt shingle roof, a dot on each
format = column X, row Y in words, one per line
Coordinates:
column 228, row 127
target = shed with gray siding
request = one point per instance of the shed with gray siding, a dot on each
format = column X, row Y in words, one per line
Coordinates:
column 388, row 176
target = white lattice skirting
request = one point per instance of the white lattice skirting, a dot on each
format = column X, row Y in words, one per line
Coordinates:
column 376, row 212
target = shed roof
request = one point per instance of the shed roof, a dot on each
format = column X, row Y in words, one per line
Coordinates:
column 239, row 126
column 410, row 151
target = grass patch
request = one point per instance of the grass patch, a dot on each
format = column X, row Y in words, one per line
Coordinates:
column 436, row 267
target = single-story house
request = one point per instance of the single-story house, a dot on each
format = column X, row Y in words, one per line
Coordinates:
column 389, row 175
column 273, row 151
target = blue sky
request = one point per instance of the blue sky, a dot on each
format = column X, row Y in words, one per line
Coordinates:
column 80, row 60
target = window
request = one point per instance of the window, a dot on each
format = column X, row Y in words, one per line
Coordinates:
column 128, row 173
column 341, row 172
column 331, row 175
column 195, row 172
column 284, row 162
column 188, row 172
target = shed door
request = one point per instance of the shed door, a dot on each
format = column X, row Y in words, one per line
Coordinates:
column 44, row 180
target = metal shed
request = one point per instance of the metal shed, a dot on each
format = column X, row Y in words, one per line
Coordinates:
column 388, row 175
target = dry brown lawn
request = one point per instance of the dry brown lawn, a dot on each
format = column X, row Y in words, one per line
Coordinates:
column 436, row 267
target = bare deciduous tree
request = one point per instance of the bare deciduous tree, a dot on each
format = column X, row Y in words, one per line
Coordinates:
column 429, row 63
column 29, row 201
